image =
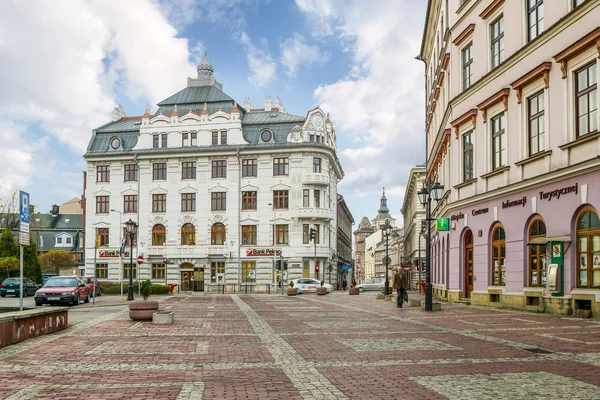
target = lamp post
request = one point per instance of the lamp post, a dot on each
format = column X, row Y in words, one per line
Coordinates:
column 131, row 227
column 430, row 189
column 387, row 231
column 420, row 261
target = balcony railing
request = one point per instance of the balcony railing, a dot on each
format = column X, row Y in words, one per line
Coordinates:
column 315, row 178
column 312, row 212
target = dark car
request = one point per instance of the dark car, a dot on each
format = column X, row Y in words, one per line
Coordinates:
column 88, row 282
column 12, row 286
column 62, row 289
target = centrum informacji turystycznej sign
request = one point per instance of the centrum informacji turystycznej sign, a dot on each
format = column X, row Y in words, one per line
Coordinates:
column 442, row 224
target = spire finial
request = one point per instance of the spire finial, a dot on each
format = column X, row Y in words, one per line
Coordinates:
column 384, row 190
column 205, row 53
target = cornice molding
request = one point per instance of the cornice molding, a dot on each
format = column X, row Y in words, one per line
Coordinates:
column 446, row 61
column 464, row 35
column 470, row 115
column 491, row 8
column 502, row 95
column 542, row 70
column 591, row 39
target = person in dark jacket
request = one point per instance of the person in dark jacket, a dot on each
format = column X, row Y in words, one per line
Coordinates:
column 400, row 284
column 344, row 284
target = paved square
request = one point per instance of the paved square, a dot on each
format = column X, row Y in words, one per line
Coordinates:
column 397, row 345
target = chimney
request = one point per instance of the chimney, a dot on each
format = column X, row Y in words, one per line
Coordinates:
column 55, row 210
column 268, row 103
column 117, row 113
column 247, row 104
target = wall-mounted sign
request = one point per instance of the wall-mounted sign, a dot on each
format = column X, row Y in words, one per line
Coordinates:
column 480, row 211
column 111, row 253
column 557, row 253
column 456, row 217
column 262, row 252
column 442, row 224
column 514, row 203
column 559, row 192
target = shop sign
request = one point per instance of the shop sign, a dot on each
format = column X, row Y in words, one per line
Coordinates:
column 480, row 211
column 514, row 203
column 559, row 192
column 442, row 224
column 262, row 252
column 111, row 253
column 457, row 217
column 557, row 253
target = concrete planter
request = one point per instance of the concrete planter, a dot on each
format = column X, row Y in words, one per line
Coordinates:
column 321, row 291
column 162, row 317
column 354, row 291
column 142, row 310
column 292, row 291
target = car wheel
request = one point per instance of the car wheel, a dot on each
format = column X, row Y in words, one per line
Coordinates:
column 76, row 301
column 99, row 293
column 39, row 304
column 3, row 295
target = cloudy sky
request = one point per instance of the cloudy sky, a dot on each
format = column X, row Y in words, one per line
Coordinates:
column 65, row 65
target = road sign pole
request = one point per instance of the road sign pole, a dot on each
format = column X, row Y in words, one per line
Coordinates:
column 21, row 278
column 23, row 237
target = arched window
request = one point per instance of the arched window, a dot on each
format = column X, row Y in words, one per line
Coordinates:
column 188, row 235
column 537, row 254
column 588, row 249
column 217, row 234
column 498, row 254
column 159, row 234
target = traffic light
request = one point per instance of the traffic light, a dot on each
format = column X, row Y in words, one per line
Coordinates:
column 278, row 264
column 312, row 234
column 317, row 267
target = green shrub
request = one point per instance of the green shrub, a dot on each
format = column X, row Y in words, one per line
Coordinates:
column 145, row 289
column 291, row 284
column 322, row 283
column 159, row 289
column 115, row 287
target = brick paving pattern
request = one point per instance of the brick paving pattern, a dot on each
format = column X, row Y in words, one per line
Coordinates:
column 310, row 347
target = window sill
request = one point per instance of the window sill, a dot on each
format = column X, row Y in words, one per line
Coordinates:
column 495, row 172
column 465, row 183
column 582, row 139
column 534, row 157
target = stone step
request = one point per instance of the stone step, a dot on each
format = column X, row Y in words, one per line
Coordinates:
column 465, row 301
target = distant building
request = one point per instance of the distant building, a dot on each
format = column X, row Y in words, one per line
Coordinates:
column 73, row 206
column 413, row 214
column 344, row 241
column 365, row 229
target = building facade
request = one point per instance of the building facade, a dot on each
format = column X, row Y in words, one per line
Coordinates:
column 512, row 134
column 222, row 193
column 343, row 255
column 365, row 229
column 414, row 215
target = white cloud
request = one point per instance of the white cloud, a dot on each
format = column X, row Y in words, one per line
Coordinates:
column 296, row 52
column 260, row 62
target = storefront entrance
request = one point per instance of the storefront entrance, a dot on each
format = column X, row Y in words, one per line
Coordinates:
column 468, row 264
column 192, row 279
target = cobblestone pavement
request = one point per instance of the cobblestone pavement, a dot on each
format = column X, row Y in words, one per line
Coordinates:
column 310, row 347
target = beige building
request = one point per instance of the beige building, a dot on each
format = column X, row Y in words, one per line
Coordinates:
column 414, row 214
column 512, row 134
column 73, row 206
column 365, row 229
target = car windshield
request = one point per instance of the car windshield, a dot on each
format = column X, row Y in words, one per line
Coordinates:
column 11, row 280
column 61, row 282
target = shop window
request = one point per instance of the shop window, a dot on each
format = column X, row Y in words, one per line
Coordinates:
column 217, row 271
column 498, row 256
column 537, row 254
column 102, row 271
column 588, row 249
column 249, row 272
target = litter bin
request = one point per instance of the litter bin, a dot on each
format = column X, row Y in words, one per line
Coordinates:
column 173, row 288
column 423, row 286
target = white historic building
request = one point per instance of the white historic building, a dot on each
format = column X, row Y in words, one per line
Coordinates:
column 220, row 191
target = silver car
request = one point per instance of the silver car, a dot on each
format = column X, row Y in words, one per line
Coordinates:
column 371, row 284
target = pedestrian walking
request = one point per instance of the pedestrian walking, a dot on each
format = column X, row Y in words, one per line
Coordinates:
column 344, row 284
column 400, row 284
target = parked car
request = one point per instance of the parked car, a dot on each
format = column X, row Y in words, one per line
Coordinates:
column 371, row 284
column 88, row 282
column 310, row 285
column 62, row 289
column 12, row 286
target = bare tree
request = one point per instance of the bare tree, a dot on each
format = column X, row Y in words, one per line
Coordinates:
column 9, row 212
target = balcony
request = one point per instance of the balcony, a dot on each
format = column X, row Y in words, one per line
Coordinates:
column 315, row 178
column 313, row 213
column 308, row 250
column 177, row 251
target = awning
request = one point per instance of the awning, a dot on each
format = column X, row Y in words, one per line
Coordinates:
column 542, row 241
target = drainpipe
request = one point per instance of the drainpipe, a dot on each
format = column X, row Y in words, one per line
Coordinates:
column 240, row 220
column 137, row 244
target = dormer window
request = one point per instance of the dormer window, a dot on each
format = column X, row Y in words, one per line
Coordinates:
column 58, row 240
column 266, row 135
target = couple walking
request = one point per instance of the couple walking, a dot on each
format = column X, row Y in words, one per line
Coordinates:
column 401, row 284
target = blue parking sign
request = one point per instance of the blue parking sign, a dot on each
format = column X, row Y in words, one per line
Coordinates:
column 24, row 206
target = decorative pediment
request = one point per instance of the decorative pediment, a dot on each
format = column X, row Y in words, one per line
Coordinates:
column 296, row 135
column 218, row 188
column 315, row 120
column 160, row 118
column 541, row 71
column 250, row 221
column 63, row 234
column 189, row 115
column 188, row 189
column 219, row 114
column 249, row 188
column 129, row 192
column 157, row 219
column 281, row 186
column 470, row 115
column 502, row 96
column 589, row 40
column 464, row 35
column 159, row 190
column 102, row 192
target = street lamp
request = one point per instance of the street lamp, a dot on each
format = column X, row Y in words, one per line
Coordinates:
column 132, row 228
column 387, row 231
column 419, row 260
column 430, row 189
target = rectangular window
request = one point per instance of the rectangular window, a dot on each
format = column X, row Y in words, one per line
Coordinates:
column 311, row 138
column 281, row 234
column 280, row 166
column 497, row 36
column 317, row 198
column 155, row 141
column 306, row 269
column 249, row 272
column 305, row 234
column 467, row 156
column 535, row 18
column 163, row 140
column 280, row 199
column 586, row 100
column 188, row 170
column 102, row 173
column 316, row 164
column 317, row 233
column 185, row 141
column 159, row 203
column 102, row 236
column 306, row 198
column 467, row 66
column 249, row 168
column 188, row 202
column 130, row 203
column 536, row 125
column 102, row 204
column 215, row 137
column 248, row 200
column 158, row 271
column 130, row 172
column 59, row 240
column 218, row 201
column 217, row 270
column 248, row 234
column 194, row 140
column 129, row 269
column 159, row 171
column 219, row 169
column 223, row 137
column 498, row 142
column 102, row 271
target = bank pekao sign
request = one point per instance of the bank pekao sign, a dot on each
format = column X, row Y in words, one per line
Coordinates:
column 262, row 252
column 111, row 253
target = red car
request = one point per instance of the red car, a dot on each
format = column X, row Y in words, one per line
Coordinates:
column 88, row 282
column 62, row 289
